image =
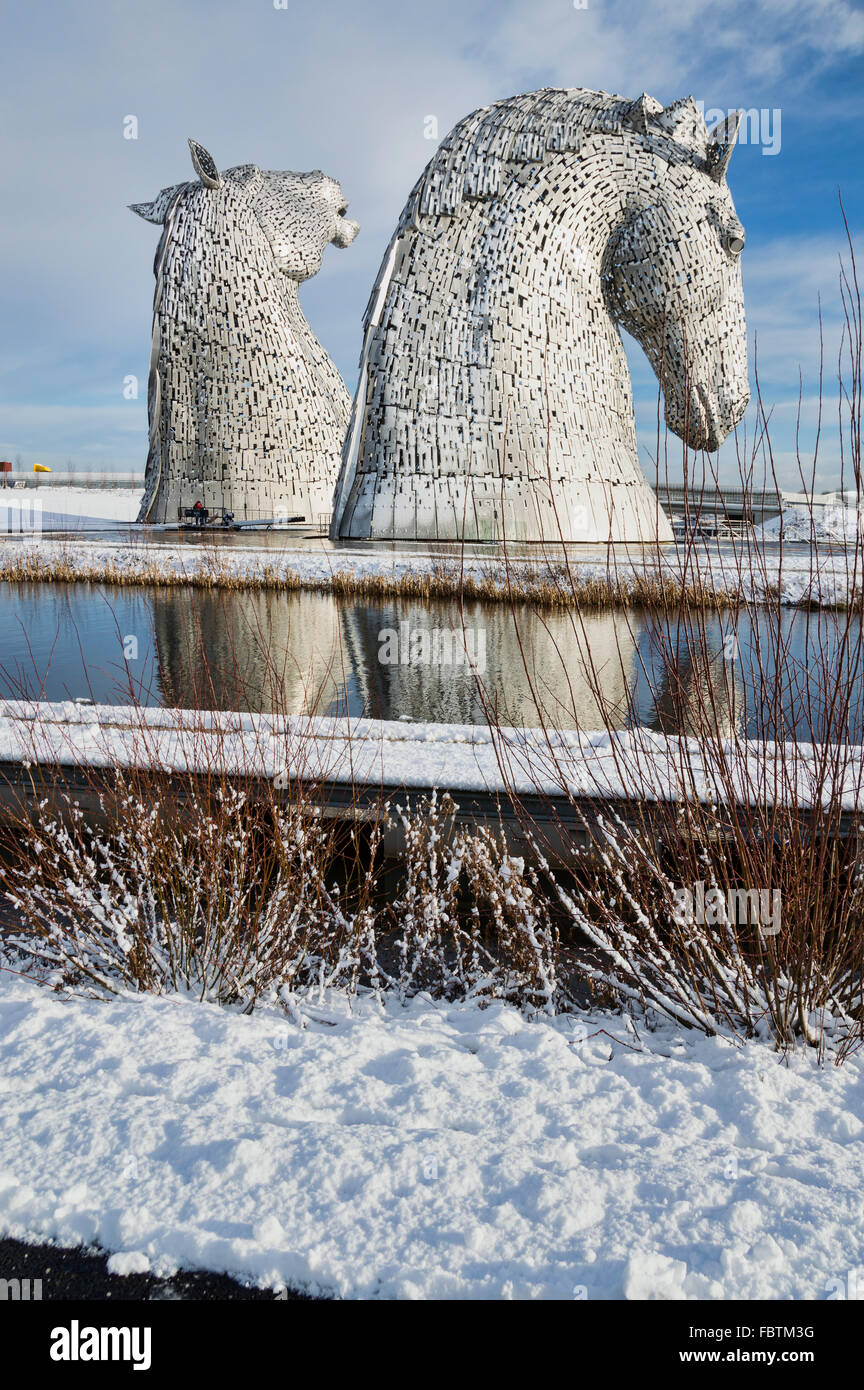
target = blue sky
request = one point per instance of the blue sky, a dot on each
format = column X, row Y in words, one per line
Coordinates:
column 346, row 86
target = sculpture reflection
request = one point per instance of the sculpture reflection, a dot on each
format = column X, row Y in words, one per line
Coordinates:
column 258, row 652
column 527, row 668
column 308, row 653
column 695, row 683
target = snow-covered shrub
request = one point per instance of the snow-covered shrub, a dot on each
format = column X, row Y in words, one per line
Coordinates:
column 471, row 920
column 432, row 950
column 511, row 906
column 234, row 900
column 789, row 976
column 216, row 896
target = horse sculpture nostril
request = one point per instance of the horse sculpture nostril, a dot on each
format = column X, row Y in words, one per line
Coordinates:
column 346, row 231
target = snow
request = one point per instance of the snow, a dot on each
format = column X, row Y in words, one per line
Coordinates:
column 427, row 1151
column 755, row 574
column 129, row 1262
column 635, row 763
column 59, row 508
column 821, row 525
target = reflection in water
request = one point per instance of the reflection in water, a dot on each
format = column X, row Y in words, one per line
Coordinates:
column 245, row 651
column 534, row 668
column 307, row 653
column 701, row 694
column 295, row 653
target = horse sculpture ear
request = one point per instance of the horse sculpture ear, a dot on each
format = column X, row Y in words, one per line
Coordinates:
column 721, row 143
column 684, row 122
column 639, row 112
column 157, row 210
column 204, row 165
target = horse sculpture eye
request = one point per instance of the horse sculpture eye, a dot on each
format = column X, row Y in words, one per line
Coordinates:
column 735, row 243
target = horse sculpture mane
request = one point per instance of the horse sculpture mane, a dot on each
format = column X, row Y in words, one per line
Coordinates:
column 247, row 412
column 494, row 397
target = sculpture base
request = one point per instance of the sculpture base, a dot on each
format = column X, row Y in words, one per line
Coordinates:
column 480, row 509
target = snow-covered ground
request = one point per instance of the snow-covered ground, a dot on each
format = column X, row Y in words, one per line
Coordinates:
column 840, row 524
column 823, row 578
column 431, row 1151
column 58, row 507
column 756, row 574
column 634, row 764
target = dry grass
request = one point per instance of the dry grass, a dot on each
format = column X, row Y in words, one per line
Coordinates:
column 549, row 585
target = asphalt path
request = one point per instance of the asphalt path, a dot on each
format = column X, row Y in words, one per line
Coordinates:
column 83, row 1274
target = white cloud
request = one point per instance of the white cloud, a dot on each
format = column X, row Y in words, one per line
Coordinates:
column 674, row 47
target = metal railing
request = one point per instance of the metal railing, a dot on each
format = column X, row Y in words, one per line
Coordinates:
column 22, row 477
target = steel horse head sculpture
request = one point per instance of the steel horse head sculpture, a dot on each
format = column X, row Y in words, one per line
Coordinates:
column 247, row 412
column 494, row 397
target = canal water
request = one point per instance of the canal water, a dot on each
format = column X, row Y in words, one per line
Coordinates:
column 752, row 673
